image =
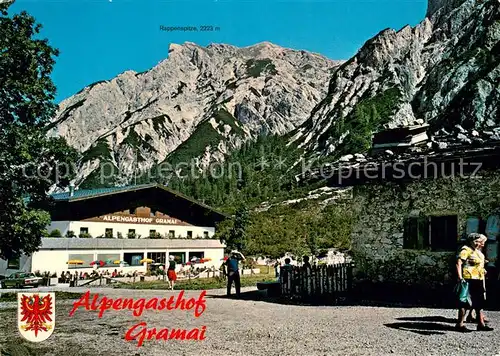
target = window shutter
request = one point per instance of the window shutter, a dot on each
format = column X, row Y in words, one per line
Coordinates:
column 410, row 234
column 423, row 233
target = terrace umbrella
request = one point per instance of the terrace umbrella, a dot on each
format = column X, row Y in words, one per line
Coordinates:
column 147, row 260
column 117, row 262
column 100, row 263
column 109, row 261
column 75, row 262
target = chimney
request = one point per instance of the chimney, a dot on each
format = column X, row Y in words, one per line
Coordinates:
column 71, row 189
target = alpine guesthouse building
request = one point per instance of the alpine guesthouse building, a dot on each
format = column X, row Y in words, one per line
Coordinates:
column 123, row 226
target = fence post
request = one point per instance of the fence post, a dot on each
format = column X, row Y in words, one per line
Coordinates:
column 349, row 278
column 282, row 282
column 324, row 280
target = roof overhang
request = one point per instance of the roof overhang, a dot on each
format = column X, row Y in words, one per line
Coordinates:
column 83, row 206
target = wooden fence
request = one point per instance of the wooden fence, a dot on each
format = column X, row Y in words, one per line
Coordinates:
column 330, row 283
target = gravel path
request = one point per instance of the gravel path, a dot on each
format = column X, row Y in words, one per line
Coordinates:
column 253, row 326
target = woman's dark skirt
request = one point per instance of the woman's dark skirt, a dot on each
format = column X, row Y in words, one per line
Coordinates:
column 476, row 291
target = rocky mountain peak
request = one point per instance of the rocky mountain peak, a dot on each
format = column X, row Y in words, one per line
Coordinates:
column 434, row 6
column 200, row 102
column 444, row 71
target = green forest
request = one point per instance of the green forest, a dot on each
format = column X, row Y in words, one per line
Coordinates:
column 260, row 171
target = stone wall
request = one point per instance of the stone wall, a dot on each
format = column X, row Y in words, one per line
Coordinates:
column 335, row 257
column 382, row 208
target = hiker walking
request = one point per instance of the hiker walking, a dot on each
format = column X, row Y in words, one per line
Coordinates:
column 232, row 272
column 471, row 274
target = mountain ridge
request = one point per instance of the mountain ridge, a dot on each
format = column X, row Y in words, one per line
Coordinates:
column 409, row 75
column 203, row 102
column 263, row 88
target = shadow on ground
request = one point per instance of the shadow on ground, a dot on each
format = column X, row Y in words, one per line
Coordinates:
column 422, row 328
column 437, row 319
column 261, row 296
column 425, row 325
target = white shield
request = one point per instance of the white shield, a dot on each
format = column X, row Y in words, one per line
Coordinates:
column 36, row 315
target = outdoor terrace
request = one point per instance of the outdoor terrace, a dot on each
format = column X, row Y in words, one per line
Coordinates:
column 62, row 243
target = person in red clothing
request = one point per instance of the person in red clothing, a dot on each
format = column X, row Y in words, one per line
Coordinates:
column 171, row 275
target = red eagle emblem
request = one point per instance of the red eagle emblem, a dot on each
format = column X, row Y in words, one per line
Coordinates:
column 36, row 313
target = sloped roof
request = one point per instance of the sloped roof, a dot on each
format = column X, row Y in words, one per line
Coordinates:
column 87, row 194
column 92, row 193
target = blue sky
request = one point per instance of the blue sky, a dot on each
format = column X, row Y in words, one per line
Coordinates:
column 99, row 39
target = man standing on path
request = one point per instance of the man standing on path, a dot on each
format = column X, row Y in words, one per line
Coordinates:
column 233, row 273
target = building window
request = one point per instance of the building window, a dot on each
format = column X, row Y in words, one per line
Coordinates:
column 171, row 234
column 158, row 257
column 154, row 235
column 13, row 263
column 179, row 257
column 440, row 233
column 193, row 256
column 131, row 234
column 190, row 234
column 108, row 233
column 444, row 233
column 80, row 260
column 205, row 234
column 133, row 258
column 110, row 260
column 84, row 232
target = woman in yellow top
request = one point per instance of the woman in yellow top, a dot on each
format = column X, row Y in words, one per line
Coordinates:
column 470, row 267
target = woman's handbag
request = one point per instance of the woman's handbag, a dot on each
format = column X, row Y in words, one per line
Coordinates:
column 462, row 292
